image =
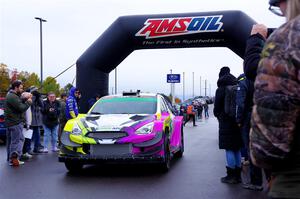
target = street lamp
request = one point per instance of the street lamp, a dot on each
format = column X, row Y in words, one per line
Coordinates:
column 41, row 44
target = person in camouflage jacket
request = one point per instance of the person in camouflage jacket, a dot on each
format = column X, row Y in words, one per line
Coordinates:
column 275, row 134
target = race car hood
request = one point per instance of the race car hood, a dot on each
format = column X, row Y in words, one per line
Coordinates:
column 115, row 122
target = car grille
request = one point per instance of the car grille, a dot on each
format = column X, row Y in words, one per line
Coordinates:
column 110, row 149
column 107, row 134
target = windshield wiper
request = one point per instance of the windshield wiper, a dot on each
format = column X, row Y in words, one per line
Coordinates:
column 96, row 113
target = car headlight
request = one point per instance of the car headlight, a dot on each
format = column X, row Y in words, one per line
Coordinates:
column 76, row 130
column 146, row 129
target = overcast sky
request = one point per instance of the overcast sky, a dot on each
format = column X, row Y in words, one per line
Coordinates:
column 73, row 25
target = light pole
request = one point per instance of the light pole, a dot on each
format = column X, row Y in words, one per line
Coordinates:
column 41, row 44
column 193, row 85
column 183, row 79
column 205, row 87
column 200, row 86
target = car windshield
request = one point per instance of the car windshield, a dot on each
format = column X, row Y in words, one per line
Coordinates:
column 125, row 105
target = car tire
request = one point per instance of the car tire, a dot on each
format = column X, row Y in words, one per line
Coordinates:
column 179, row 154
column 165, row 165
column 73, row 166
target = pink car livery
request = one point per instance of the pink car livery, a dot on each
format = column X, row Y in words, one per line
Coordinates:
column 133, row 127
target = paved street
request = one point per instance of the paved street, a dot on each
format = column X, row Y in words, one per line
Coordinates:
column 195, row 176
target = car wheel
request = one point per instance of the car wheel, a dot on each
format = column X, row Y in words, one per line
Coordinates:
column 165, row 165
column 179, row 154
column 73, row 166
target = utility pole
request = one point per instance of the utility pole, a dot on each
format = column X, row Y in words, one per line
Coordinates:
column 183, row 93
column 200, row 86
column 193, row 85
column 41, row 45
column 205, row 87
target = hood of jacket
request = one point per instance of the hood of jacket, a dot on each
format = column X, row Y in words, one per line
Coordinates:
column 227, row 80
column 72, row 92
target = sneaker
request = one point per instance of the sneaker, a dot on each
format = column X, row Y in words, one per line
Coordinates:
column 253, row 187
column 37, row 151
column 15, row 162
column 55, row 149
column 26, row 156
column 45, row 150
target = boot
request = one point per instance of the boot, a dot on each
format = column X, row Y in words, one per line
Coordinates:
column 230, row 178
column 238, row 171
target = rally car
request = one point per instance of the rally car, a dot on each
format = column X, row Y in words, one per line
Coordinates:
column 132, row 127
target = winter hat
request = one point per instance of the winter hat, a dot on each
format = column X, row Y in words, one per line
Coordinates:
column 224, row 71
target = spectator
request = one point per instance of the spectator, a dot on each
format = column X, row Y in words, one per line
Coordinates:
column 37, row 119
column 13, row 113
column 93, row 100
column 229, row 136
column 62, row 117
column 205, row 105
column 78, row 97
column 182, row 110
column 200, row 110
column 244, row 104
column 71, row 104
column 274, row 139
column 254, row 47
column 27, row 132
column 191, row 112
column 51, row 112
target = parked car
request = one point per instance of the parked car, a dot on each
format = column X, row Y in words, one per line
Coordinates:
column 133, row 127
column 2, row 124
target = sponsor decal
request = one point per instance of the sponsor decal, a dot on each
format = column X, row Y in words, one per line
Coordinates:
column 166, row 27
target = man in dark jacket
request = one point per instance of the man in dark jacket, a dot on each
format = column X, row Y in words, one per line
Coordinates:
column 254, row 46
column 51, row 112
column 14, row 120
column 229, row 136
column 244, row 103
column 93, row 100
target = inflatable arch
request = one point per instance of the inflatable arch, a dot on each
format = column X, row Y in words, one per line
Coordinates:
column 128, row 33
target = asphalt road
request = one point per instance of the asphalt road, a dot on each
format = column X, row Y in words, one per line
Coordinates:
column 195, row 176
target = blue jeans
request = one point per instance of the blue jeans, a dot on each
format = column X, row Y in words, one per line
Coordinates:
column 233, row 158
column 36, row 137
column 50, row 132
column 206, row 113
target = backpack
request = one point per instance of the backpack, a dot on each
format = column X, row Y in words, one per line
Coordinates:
column 230, row 100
